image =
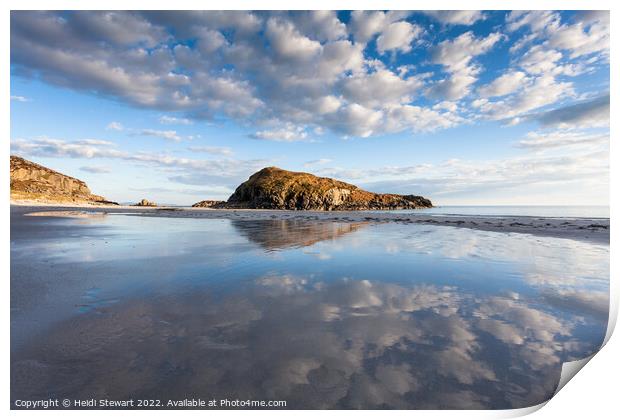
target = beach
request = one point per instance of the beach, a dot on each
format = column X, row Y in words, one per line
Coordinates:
column 320, row 310
column 594, row 229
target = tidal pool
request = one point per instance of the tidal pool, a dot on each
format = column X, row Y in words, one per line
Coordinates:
column 317, row 314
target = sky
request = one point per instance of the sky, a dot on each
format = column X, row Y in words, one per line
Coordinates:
column 463, row 107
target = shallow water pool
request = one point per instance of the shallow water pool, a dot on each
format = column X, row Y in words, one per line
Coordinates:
column 317, row 314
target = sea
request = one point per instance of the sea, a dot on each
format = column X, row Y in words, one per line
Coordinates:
column 533, row 211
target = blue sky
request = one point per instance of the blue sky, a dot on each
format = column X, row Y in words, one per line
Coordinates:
column 469, row 107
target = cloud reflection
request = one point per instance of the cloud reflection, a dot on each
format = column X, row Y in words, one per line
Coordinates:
column 340, row 344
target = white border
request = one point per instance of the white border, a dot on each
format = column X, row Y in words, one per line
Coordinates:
column 592, row 395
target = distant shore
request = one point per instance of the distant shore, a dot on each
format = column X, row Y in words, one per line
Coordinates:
column 586, row 229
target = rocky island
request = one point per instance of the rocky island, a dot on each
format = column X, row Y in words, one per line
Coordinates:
column 275, row 188
column 34, row 182
column 145, row 203
column 209, row 203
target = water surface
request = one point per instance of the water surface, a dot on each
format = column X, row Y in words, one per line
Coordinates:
column 532, row 211
column 319, row 314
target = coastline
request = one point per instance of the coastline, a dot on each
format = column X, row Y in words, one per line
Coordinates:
column 591, row 229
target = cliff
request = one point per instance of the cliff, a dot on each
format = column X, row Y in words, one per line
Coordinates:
column 30, row 181
column 275, row 188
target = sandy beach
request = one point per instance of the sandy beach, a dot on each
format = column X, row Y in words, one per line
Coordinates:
column 587, row 229
column 321, row 310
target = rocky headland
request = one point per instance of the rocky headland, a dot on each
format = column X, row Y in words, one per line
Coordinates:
column 34, row 182
column 275, row 188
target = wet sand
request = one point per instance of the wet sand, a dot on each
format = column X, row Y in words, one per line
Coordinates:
column 282, row 306
column 588, row 229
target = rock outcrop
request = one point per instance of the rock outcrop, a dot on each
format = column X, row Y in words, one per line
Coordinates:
column 33, row 182
column 145, row 203
column 275, row 188
column 209, row 203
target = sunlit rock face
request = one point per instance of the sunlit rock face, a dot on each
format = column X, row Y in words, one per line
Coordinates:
column 275, row 188
column 30, row 181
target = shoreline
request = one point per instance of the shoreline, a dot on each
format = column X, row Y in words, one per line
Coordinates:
column 591, row 229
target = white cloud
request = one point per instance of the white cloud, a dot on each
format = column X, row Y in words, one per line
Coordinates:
column 561, row 138
column 317, row 162
column 120, row 28
column 446, row 105
column 94, row 142
column 522, row 43
column 303, row 69
column 338, row 57
column 503, row 85
column 182, row 170
column 322, row 25
column 588, row 36
column 356, row 120
column 380, row 88
column 288, row 43
column 44, row 146
column 364, row 25
column 418, row 119
column 456, row 17
column 166, row 119
column 398, row 36
column 551, row 166
column 164, row 134
column 539, row 60
column 538, row 92
column 95, row 169
column 213, row 150
column 548, row 176
column 18, row 98
column 124, row 71
column 288, row 133
column 210, row 41
column 327, row 104
column 453, row 87
column 588, row 17
column 455, row 55
column 536, row 20
column 114, row 125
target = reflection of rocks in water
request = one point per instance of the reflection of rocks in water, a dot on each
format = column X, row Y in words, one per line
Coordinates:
column 278, row 234
column 342, row 344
